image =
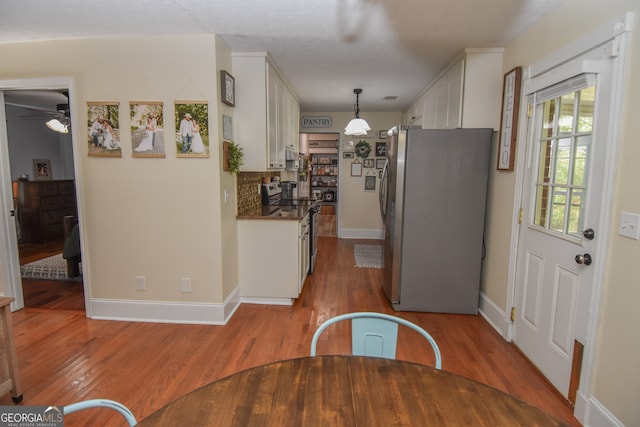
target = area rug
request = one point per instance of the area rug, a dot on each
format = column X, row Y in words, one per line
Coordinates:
column 368, row 256
column 51, row 268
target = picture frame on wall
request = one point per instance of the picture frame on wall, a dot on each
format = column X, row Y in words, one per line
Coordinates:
column 227, row 127
column 381, row 149
column 370, row 183
column 383, row 134
column 42, row 169
column 368, row 163
column 227, row 88
column 356, row 168
column 509, row 119
column 380, row 163
column 147, row 129
column 192, row 129
column 103, row 129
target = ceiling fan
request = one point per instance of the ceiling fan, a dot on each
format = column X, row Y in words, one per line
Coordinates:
column 58, row 120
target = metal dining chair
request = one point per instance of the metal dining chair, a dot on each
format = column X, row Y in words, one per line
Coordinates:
column 102, row 403
column 375, row 334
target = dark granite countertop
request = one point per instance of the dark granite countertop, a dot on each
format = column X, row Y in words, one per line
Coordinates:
column 296, row 213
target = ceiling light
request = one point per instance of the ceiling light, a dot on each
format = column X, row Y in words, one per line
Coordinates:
column 58, row 126
column 357, row 126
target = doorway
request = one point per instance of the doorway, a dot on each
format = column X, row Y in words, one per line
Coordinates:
column 570, row 141
column 39, row 170
column 320, row 179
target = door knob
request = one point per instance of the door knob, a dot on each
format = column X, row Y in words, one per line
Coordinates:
column 584, row 259
column 589, row 234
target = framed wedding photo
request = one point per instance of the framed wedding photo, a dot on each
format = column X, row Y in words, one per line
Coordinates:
column 192, row 129
column 228, row 88
column 103, row 126
column 147, row 129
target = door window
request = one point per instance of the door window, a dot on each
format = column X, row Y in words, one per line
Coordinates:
column 565, row 129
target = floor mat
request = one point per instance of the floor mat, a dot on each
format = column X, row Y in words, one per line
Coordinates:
column 368, row 256
column 51, row 268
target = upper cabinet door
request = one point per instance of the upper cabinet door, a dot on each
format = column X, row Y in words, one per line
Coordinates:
column 266, row 113
column 465, row 95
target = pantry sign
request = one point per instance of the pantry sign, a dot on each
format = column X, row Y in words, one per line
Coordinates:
column 316, row 121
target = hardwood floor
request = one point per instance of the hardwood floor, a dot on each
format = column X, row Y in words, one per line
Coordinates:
column 50, row 294
column 327, row 225
column 65, row 357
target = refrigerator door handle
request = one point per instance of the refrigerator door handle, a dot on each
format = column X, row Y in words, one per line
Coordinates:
column 383, row 191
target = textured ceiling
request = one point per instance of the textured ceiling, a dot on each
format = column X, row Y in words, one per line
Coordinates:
column 325, row 48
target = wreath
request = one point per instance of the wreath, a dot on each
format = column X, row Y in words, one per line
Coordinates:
column 363, row 149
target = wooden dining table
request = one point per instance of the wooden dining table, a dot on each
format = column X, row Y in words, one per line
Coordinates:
column 347, row 391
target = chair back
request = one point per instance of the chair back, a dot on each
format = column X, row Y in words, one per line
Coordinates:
column 375, row 334
column 103, row 403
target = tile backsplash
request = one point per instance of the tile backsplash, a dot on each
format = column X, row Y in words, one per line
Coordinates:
column 249, row 199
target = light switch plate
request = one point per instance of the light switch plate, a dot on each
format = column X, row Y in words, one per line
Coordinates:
column 629, row 225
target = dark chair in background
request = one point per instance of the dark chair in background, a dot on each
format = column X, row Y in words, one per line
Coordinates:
column 71, row 248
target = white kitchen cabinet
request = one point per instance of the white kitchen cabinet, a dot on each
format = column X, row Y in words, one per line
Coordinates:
column 272, row 259
column 303, row 251
column 266, row 113
column 466, row 94
column 415, row 112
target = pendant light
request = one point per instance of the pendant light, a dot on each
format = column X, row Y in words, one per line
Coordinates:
column 357, row 126
column 58, row 126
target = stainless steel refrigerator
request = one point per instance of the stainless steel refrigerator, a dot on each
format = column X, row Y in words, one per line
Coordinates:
column 432, row 200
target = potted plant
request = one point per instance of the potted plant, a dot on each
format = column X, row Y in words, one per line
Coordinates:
column 232, row 157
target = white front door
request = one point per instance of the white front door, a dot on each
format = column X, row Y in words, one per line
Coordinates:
column 562, row 210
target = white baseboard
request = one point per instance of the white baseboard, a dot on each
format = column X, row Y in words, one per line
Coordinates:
column 591, row 413
column 165, row 312
column 266, row 301
column 496, row 317
column 360, row 233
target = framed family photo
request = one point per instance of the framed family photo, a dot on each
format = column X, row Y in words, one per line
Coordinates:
column 192, row 129
column 103, row 129
column 147, row 129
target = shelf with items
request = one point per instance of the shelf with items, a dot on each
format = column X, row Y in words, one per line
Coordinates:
column 324, row 177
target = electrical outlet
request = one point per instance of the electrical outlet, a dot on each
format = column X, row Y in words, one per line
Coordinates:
column 629, row 225
column 186, row 284
column 140, row 283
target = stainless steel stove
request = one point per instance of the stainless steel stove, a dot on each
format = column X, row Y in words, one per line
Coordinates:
column 272, row 196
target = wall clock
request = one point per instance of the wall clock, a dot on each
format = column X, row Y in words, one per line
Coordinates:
column 509, row 120
column 227, row 88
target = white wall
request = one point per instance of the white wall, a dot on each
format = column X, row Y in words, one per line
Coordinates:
column 158, row 218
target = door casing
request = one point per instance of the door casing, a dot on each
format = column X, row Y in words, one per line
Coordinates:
column 9, row 257
column 613, row 37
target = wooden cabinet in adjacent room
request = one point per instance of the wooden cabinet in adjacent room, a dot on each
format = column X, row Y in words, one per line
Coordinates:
column 42, row 205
